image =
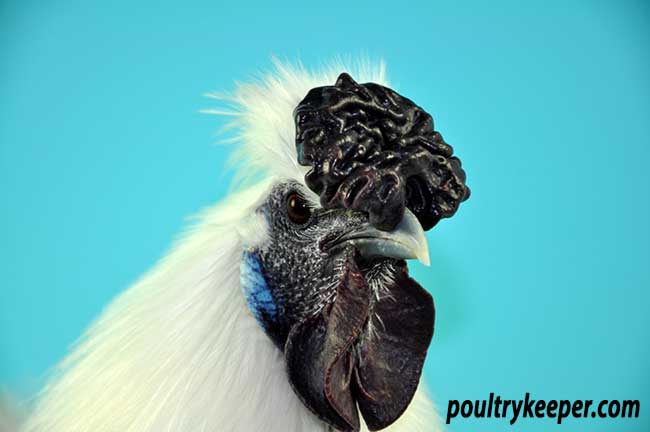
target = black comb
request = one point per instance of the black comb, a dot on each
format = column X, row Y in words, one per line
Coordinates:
column 373, row 150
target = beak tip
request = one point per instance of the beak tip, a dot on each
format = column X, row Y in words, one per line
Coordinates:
column 423, row 254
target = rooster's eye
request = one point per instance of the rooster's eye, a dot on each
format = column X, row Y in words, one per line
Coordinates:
column 297, row 209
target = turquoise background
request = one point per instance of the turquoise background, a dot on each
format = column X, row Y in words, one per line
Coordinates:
column 541, row 281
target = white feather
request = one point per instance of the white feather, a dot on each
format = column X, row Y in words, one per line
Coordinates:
column 180, row 350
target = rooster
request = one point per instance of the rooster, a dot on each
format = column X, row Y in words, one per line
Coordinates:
column 277, row 311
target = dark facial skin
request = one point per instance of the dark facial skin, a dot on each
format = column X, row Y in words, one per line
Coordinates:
column 353, row 326
column 300, row 271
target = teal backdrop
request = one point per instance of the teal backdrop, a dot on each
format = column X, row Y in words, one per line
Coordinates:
column 541, row 281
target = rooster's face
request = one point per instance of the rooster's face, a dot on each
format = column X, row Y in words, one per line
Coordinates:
column 333, row 293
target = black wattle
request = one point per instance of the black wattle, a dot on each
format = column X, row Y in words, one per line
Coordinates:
column 307, row 370
column 319, row 364
column 391, row 353
column 362, row 352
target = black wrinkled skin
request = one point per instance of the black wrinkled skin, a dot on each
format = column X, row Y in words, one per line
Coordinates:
column 375, row 151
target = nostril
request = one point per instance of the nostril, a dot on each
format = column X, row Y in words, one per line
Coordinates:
column 355, row 188
column 388, row 183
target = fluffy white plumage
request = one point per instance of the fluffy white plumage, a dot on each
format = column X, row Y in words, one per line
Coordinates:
column 180, row 350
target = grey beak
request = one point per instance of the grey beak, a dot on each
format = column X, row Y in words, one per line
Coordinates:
column 406, row 241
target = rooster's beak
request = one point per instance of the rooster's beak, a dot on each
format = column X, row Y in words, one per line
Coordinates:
column 406, row 241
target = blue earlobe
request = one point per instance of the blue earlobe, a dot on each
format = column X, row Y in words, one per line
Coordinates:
column 255, row 289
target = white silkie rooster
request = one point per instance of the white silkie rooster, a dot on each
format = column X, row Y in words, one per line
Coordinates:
column 280, row 310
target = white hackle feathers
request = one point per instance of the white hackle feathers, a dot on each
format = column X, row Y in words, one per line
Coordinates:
column 180, row 350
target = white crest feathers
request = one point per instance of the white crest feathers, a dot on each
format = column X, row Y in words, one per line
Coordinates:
column 262, row 114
